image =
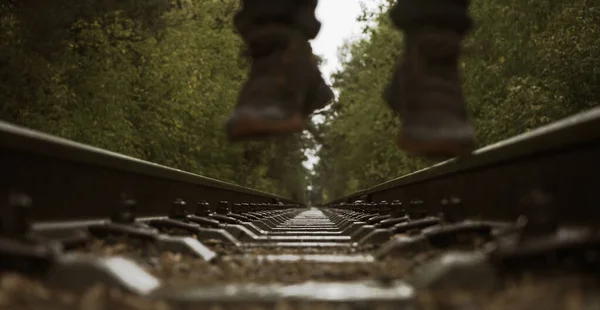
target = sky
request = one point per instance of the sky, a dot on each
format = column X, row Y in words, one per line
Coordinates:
column 338, row 24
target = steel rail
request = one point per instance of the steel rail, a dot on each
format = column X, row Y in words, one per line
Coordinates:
column 68, row 180
column 560, row 160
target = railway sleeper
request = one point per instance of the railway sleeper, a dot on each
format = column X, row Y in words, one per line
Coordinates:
column 438, row 253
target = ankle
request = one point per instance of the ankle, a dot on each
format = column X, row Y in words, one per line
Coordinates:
column 269, row 39
column 434, row 43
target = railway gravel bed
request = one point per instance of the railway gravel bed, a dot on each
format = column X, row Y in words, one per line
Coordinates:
column 575, row 293
column 180, row 269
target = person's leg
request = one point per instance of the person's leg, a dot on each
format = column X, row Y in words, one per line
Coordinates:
column 284, row 85
column 426, row 88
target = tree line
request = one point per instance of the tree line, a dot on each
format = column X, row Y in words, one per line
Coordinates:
column 525, row 64
column 155, row 80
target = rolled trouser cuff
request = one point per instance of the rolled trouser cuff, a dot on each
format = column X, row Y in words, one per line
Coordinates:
column 295, row 14
column 448, row 14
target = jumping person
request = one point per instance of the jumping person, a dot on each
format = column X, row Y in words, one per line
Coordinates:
column 285, row 85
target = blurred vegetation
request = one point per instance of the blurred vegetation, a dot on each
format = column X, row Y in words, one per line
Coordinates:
column 527, row 63
column 156, row 79
column 151, row 79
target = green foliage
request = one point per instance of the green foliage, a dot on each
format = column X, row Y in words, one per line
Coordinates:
column 157, row 79
column 527, row 63
column 155, row 86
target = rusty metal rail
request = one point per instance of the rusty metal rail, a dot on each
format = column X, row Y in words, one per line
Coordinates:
column 68, row 180
column 499, row 182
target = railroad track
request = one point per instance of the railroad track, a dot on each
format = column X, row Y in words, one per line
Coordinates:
column 83, row 228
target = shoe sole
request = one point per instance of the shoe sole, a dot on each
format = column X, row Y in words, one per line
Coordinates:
column 441, row 148
column 247, row 127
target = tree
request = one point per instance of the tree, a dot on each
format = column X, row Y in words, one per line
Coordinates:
column 527, row 63
column 150, row 79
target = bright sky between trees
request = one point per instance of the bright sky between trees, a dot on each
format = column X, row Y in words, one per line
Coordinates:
column 338, row 24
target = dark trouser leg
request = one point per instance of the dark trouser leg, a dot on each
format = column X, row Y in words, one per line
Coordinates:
column 284, row 84
column 448, row 14
column 425, row 88
column 296, row 14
